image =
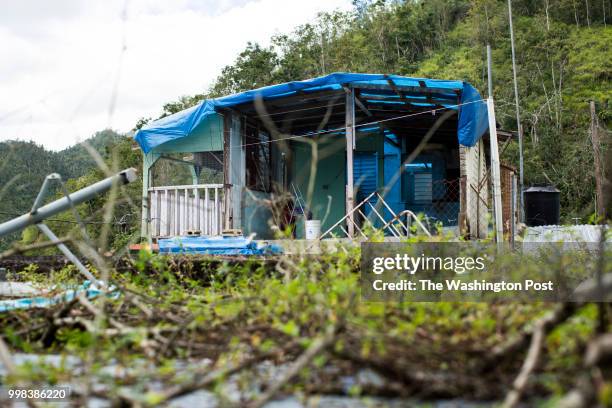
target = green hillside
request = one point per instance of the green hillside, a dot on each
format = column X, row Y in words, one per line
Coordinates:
column 24, row 165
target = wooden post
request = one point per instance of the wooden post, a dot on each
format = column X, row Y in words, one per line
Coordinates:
column 177, row 213
column 495, row 173
column 350, row 145
column 513, row 210
column 227, row 127
column 599, row 195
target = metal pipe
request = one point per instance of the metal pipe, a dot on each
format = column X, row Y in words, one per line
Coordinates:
column 43, row 191
column 495, row 173
column 518, row 115
column 489, row 70
column 513, row 211
column 68, row 254
column 63, row 204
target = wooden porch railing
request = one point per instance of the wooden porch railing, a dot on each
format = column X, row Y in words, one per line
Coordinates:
column 177, row 210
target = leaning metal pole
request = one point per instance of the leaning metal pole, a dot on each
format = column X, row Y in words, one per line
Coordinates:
column 39, row 214
column 68, row 254
column 518, row 115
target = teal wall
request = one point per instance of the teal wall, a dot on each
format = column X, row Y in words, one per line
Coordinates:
column 329, row 183
column 256, row 217
column 331, row 174
column 330, row 179
column 208, row 136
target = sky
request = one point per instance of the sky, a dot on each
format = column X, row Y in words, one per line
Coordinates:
column 63, row 62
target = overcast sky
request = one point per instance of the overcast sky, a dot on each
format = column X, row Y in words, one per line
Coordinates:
column 61, row 60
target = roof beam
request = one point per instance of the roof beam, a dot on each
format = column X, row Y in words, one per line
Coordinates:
column 404, row 88
column 396, row 90
column 408, row 98
column 361, row 106
column 358, row 102
column 290, row 100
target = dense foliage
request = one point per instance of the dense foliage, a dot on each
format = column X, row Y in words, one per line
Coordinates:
column 563, row 61
column 236, row 328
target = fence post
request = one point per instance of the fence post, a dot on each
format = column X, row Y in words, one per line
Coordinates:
column 463, row 206
column 495, row 172
column 350, row 145
column 512, row 209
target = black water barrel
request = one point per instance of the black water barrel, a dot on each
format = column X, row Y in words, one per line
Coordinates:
column 541, row 206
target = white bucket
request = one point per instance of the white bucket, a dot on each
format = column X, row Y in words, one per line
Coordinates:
column 313, row 229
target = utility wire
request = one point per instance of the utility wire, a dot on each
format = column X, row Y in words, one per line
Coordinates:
column 56, row 220
column 375, row 122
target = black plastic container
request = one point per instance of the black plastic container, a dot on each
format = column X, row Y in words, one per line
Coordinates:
column 542, row 206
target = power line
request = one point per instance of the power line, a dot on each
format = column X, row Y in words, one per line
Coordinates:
column 360, row 125
column 62, row 221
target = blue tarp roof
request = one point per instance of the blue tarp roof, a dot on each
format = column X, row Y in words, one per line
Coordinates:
column 473, row 121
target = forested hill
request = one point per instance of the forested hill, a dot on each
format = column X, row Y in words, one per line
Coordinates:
column 563, row 57
column 24, row 166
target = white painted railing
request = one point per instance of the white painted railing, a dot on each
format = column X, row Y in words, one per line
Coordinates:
column 177, row 210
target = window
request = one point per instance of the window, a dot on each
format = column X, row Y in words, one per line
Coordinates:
column 417, row 180
column 257, row 159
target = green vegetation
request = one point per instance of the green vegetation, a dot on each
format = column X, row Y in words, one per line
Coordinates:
column 189, row 323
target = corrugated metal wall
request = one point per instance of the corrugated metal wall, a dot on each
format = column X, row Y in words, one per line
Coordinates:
column 365, row 173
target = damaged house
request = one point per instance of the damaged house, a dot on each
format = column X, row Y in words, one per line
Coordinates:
column 342, row 149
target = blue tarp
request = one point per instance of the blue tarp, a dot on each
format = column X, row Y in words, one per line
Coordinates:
column 216, row 246
column 90, row 291
column 472, row 112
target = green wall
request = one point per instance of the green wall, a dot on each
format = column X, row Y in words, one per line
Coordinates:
column 256, row 217
column 208, row 136
column 331, row 174
column 330, row 179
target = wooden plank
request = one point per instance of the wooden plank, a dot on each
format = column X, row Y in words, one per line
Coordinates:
column 495, row 173
column 437, row 100
column 217, row 213
column 153, row 214
column 177, row 214
column 186, row 210
column 274, row 105
column 186, row 186
column 206, row 213
column 227, row 127
column 403, row 88
column 196, row 193
column 363, row 108
column 167, row 214
column 425, row 90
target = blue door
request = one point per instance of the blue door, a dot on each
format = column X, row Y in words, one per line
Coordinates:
column 365, row 174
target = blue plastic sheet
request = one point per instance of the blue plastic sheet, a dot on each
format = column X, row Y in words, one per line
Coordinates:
column 473, row 120
column 68, row 295
column 216, row 246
